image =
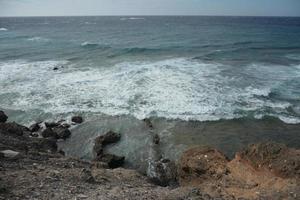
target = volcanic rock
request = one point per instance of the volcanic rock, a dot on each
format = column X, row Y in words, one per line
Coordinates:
column 77, row 119
column 3, row 117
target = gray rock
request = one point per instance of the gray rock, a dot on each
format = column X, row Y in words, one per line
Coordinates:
column 10, row 153
column 162, row 172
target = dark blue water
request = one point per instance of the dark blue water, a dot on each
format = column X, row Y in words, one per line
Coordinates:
column 189, row 68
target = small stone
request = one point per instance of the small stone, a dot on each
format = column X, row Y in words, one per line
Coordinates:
column 10, row 153
column 81, row 196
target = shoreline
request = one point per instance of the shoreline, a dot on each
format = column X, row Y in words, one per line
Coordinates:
column 200, row 173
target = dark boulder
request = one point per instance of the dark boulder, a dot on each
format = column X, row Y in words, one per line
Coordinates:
column 112, row 160
column 3, row 117
column 61, row 132
column 77, row 119
column 55, row 68
column 108, row 138
column 156, row 139
column 35, row 127
column 49, row 133
column 102, row 140
column 51, row 124
column 14, row 128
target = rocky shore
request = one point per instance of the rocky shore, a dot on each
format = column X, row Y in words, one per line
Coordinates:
column 32, row 167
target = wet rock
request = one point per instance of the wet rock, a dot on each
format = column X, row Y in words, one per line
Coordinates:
column 14, row 128
column 278, row 158
column 3, row 117
column 162, row 172
column 61, row 132
column 148, row 122
column 35, row 127
column 77, row 119
column 65, row 125
column 156, row 139
column 51, row 124
column 10, row 153
column 49, row 133
column 101, row 141
column 201, row 163
column 112, row 160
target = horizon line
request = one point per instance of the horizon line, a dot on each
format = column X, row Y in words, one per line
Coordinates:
column 295, row 16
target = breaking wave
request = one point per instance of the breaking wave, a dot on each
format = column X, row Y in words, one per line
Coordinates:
column 178, row 88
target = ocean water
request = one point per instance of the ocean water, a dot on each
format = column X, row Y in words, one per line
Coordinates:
column 189, row 68
column 198, row 69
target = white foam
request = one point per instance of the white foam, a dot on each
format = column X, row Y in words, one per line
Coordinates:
column 38, row 39
column 3, row 29
column 132, row 18
column 179, row 88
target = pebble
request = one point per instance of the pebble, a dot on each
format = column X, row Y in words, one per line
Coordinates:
column 10, row 153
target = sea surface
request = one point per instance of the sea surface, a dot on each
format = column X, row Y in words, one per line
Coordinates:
column 199, row 70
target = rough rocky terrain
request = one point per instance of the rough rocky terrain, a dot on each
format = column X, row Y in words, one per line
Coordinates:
column 31, row 167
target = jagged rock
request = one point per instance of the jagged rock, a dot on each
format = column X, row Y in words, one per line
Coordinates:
column 86, row 176
column 51, row 124
column 35, row 127
column 3, row 117
column 278, row 158
column 162, row 172
column 14, row 128
column 65, row 125
column 49, row 133
column 148, row 122
column 201, row 163
column 77, row 119
column 112, row 160
column 10, row 153
column 61, row 132
column 156, row 139
column 101, row 141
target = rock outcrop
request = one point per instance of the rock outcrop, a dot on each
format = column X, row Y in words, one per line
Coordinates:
column 200, row 164
column 260, row 171
column 113, row 161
